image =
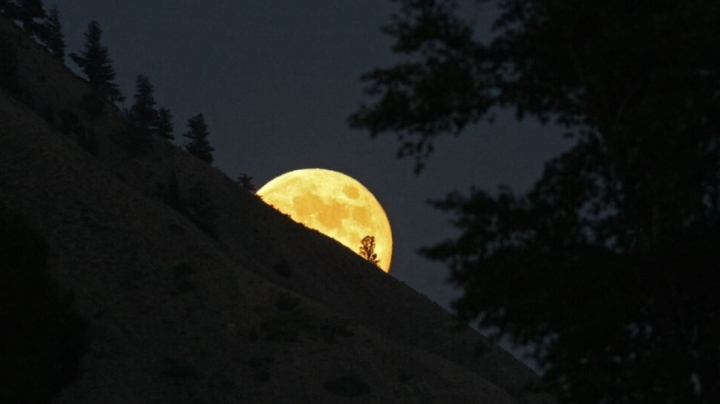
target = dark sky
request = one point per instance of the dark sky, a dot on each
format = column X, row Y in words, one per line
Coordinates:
column 276, row 81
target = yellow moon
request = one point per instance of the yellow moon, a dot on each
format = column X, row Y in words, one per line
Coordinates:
column 333, row 204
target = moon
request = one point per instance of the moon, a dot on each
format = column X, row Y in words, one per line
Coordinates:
column 334, row 204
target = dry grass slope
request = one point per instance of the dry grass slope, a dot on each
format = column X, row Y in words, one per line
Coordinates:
column 269, row 311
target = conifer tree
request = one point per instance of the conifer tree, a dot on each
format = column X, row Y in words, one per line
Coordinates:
column 367, row 250
column 28, row 12
column 97, row 66
column 143, row 112
column 51, row 34
column 165, row 125
column 9, row 9
column 198, row 135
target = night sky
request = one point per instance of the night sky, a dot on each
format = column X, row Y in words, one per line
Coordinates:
column 276, row 81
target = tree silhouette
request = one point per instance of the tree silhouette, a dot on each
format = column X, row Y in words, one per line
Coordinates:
column 246, row 181
column 43, row 337
column 608, row 265
column 97, row 66
column 28, row 12
column 9, row 9
column 165, row 125
column 51, row 34
column 367, row 250
column 142, row 111
column 199, row 145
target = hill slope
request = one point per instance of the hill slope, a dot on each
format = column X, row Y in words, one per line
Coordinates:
column 268, row 311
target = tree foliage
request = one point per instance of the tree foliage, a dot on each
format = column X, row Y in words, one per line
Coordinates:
column 198, row 134
column 51, row 34
column 95, row 63
column 28, row 12
column 143, row 111
column 367, row 250
column 43, row 338
column 165, row 125
column 608, row 265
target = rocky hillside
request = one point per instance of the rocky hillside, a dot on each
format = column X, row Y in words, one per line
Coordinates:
column 256, row 309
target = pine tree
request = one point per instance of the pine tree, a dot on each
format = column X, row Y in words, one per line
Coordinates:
column 198, row 135
column 246, row 181
column 51, row 34
column 165, row 125
column 367, row 250
column 9, row 9
column 143, row 112
column 28, row 12
column 97, row 66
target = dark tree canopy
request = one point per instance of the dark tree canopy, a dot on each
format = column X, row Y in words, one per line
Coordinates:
column 97, row 66
column 28, row 11
column 165, row 125
column 43, row 338
column 142, row 111
column 51, row 34
column 367, row 250
column 609, row 264
column 199, row 144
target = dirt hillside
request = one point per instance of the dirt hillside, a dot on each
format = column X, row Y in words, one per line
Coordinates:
column 260, row 310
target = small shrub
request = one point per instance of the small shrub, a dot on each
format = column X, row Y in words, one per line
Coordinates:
column 347, row 386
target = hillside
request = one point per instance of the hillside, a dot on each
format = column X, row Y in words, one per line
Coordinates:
column 267, row 311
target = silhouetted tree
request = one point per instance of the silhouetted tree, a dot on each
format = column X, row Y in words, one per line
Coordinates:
column 51, row 34
column 608, row 265
column 367, row 250
column 246, row 181
column 165, row 125
column 97, row 66
column 10, row 9
column 43, row 338
column 198, row 135
column 142, row 111
column 28, row 12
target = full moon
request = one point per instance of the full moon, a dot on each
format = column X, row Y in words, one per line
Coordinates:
column 334, row 204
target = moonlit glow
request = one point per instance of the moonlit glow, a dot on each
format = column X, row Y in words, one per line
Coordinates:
column 335, row 205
